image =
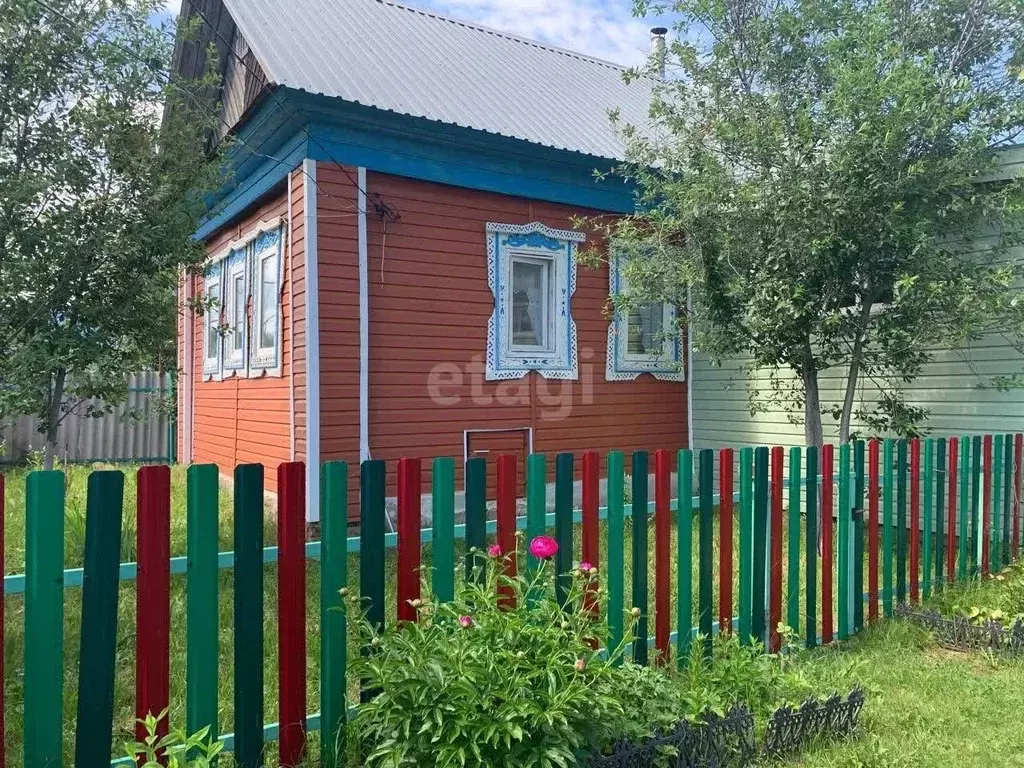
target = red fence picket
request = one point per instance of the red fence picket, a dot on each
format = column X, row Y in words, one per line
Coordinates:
column 153, row 597
column 506, row 520
column 590, row 544
column 915, row 519
column 827, row 458
column 725, row 527
column 775, row 562
column 409, row 486
column 662, row 551
column 291, row 610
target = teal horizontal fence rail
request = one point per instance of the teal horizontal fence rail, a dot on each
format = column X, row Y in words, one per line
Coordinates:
column 73, row 577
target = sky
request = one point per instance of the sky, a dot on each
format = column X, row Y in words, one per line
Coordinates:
column 602, row 28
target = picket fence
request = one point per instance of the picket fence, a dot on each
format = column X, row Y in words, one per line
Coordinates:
column 964, row 519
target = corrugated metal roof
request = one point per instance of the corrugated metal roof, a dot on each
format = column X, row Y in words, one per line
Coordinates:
column 401, row 59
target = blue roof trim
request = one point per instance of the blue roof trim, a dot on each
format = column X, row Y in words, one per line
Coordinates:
column 413, row 147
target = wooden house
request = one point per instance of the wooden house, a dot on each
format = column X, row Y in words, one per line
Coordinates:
column 395, row 257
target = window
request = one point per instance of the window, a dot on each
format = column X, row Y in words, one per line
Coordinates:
column 531, row 270
column 212, row 338
column 243, row 334
column 236, row 298
column 266, row 297
column 641, row 339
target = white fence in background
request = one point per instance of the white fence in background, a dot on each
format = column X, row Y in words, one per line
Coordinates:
column 114, row 437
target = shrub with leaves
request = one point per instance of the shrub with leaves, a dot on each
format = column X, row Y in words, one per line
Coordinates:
column 479, row 682
column 176, row 750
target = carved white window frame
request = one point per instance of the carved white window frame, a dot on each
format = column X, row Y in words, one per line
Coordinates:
column 266, row 359
column 235, row 266
column 532, row 242
column 213, row 294
column 622, row 365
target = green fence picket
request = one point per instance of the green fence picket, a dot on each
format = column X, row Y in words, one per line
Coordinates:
column 684, row 554
column 201, row 597
column 941, row 478
column 996, row 471
column 928, row 480
column 901, row 521
column 746, row 542
column 616, row 566
column 563, row 526
column 793, row 550
column 974, row 553
column 887, row 526
column 811, row 565
column 759, row 582
column 372, row 577
column 443, row 534
column 857, row 592
column 98, row 647
column 476, row 518
column 248, row 615
column 536, row 501
column 843, row 535
column 639, row 518
column 965, row 508
column 44, row 619
column 705, row 538
column 333, row 625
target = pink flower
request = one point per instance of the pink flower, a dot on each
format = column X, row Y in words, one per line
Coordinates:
column 581, row 664
column 585, row 566
column 494, row 550
column 466, row 621
column 543, row 547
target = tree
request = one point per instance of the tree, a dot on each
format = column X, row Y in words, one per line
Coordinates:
column 102, row 170
column 816, row 171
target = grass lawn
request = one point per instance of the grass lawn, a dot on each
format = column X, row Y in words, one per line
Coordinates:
column 904, row 662
column 927, row 706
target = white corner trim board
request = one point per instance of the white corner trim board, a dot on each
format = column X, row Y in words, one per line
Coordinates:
column 309, row 200
column 188, row 364
column 364, row 322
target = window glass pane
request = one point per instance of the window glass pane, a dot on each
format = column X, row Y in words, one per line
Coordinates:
column 212, row 321
column 529, row 303
column 645, row 330
column 237, row 312
column 268, row 302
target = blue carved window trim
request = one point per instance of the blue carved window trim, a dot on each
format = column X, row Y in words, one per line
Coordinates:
column 212, row 287
column 532, row 242
column 620, row 365
column 245, row 256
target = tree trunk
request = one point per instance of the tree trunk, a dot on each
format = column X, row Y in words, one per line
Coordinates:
column 53, row 418
column 812, row 403
column 854, row 373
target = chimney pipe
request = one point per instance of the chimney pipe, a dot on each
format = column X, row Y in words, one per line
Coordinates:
column 658, row 50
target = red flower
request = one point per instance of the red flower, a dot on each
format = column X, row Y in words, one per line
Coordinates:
column 466, row 621
column 494, row 550
column 543, row 547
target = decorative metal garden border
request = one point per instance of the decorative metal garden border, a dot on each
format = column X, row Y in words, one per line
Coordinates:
column 961, row 634
column 715, row 742
column 729, row 742
column 791, row 729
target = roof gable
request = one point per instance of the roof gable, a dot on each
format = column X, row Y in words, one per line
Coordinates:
column 411, row 62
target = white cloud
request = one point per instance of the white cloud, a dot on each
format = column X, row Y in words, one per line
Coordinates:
column 606, row 30
column 172, row 7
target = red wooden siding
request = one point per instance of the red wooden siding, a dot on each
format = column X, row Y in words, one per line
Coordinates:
column 241, row 420
column 429, row 307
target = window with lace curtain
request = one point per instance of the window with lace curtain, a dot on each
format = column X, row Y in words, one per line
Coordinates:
column 531, row 270
column 641, row 339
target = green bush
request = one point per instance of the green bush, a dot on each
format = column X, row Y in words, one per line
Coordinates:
column 477, row 683
column 176, row 750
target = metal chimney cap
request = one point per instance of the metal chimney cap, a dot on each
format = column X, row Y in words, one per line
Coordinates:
column 659, row 31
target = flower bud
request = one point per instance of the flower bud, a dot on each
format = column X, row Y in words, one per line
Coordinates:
column 635, row 613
